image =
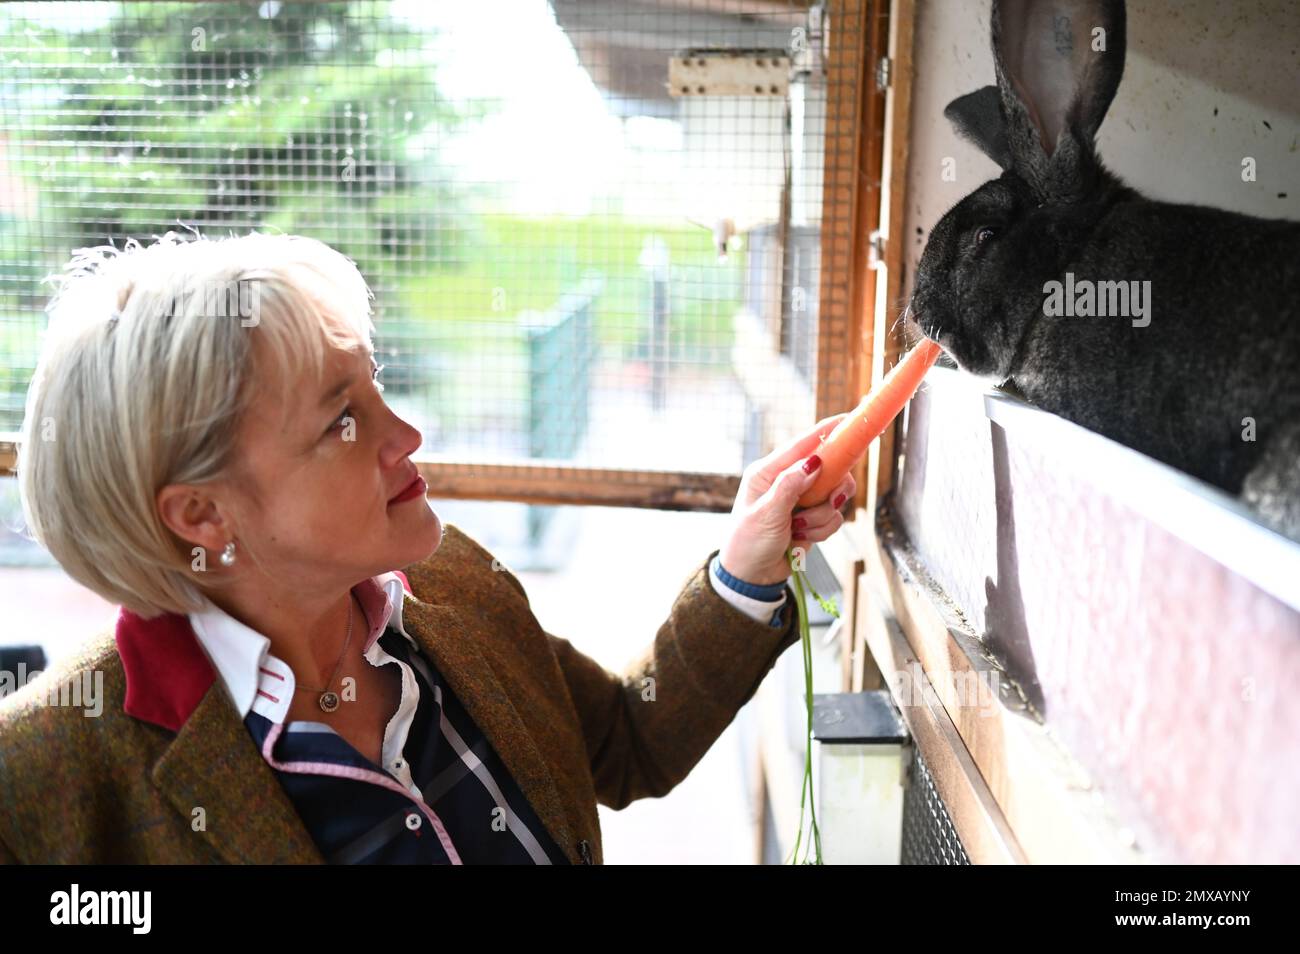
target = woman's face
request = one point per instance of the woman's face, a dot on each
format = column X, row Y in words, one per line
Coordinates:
column 319, row 478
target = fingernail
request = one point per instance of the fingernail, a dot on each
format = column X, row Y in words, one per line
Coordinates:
column 801, row 536
column 838, row 501
column 811, row 464
column 799, row 523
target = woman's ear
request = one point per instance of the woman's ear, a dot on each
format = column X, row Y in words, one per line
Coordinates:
column 192, row 517
column 1058, row 65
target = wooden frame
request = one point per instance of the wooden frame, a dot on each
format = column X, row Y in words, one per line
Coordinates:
column 851, row 181
column 555, row 483
column 872, row 177
column 886, row 343
column 541, row 482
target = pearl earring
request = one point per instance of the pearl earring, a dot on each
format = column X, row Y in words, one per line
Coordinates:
column 228, row 554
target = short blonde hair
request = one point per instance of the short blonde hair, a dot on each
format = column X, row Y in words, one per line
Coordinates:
column 146, row 370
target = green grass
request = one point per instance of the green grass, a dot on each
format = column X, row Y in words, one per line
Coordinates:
column 516, row 264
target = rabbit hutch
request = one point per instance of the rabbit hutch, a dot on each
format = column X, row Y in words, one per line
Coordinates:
column 1091, row 654
column 1049, row 646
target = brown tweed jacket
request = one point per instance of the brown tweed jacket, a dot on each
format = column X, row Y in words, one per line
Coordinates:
column 118, row 789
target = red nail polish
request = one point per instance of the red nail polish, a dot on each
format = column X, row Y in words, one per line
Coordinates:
column 811, row 464
column 839, row 501
column 801, row 535
column 799, row 523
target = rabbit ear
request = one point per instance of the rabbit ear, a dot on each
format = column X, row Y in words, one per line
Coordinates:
column 977, row 117
column 1058, row 64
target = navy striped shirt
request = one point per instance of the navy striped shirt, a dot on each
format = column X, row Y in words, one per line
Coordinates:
column 454, row 771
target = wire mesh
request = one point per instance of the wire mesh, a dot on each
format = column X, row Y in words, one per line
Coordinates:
column 561, row 245
column 929, row 837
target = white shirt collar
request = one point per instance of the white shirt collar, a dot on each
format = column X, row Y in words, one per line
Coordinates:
column 259, row 681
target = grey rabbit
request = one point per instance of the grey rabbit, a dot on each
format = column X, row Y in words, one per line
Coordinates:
column 1220, row 341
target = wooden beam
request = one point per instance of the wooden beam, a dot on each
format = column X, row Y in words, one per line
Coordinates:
column 854, row 315
column 850, row 208
column 886, row 340
column 542, row 482
column 559, row 483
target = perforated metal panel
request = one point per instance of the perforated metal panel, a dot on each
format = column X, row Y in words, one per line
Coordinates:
column 929, row 837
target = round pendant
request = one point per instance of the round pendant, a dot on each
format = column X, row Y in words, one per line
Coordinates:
column 329, row 701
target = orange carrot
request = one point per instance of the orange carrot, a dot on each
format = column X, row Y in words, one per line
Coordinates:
column 851, row 437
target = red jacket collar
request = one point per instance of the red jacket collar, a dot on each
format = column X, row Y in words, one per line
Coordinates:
column 167, row 671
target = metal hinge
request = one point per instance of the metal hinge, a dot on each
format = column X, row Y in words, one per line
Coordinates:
column 883, row 68
column 876, row 249
column 818, row 26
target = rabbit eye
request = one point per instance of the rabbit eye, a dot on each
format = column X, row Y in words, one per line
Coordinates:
column 983, row 235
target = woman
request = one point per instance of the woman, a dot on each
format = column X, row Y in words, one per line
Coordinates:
column 206, row 446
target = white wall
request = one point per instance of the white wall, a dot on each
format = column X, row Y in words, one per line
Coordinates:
column 1186, row 58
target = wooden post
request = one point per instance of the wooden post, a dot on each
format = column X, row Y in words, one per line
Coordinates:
column 886, row 338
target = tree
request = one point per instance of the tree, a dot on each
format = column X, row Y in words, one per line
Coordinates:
column 228, row 117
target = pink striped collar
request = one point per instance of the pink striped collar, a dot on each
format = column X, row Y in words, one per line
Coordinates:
column 172, row 660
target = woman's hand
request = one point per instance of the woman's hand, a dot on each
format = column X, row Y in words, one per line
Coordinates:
column 763, row 515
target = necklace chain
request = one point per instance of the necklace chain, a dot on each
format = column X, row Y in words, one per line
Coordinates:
column 329, row 701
